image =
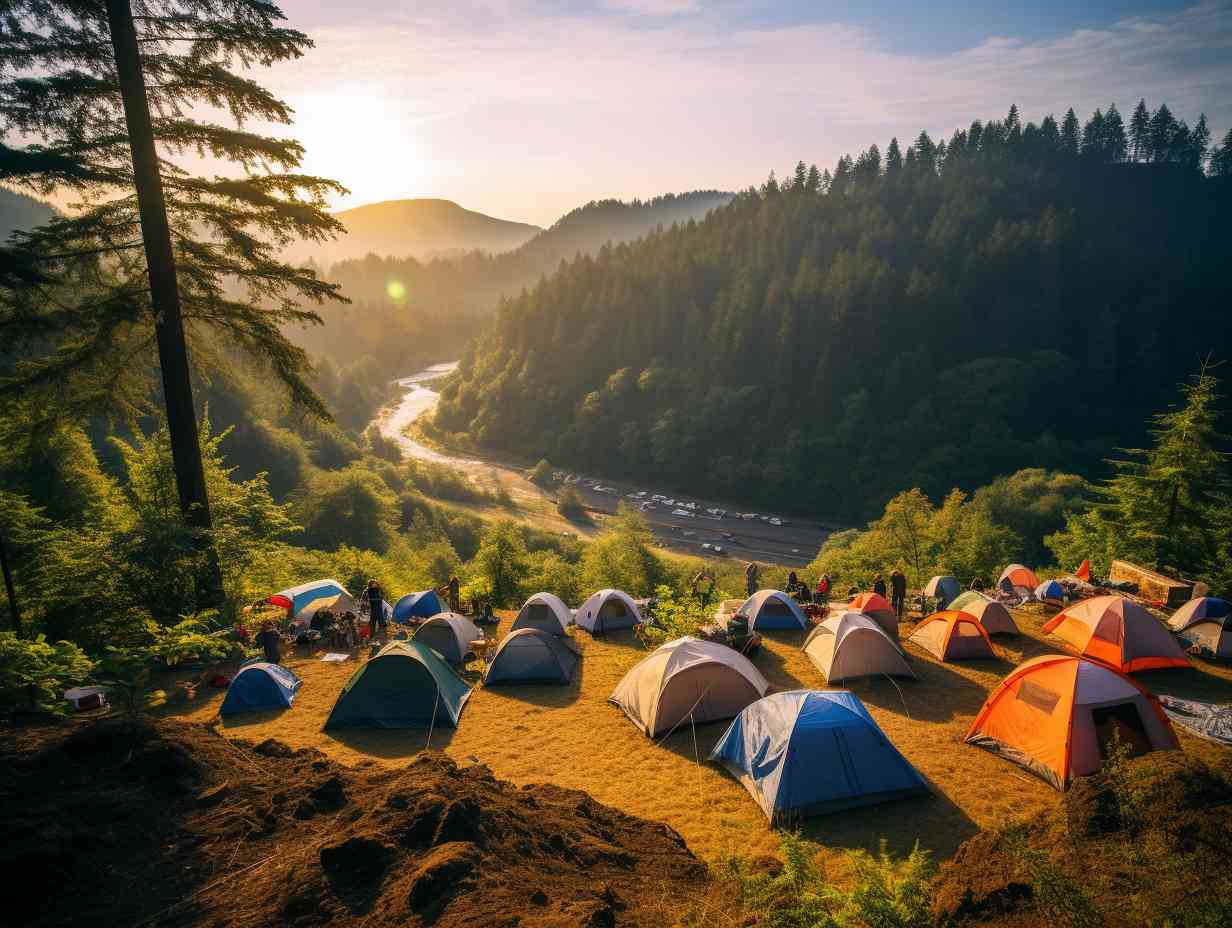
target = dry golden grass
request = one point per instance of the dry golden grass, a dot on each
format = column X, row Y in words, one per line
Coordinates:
column 573, row 737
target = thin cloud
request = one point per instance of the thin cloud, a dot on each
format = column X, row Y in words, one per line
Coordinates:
column 530, row 116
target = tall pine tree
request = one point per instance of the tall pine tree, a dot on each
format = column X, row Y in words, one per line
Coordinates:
column 1140, row 133
column 155, row 264
column 1071, row 135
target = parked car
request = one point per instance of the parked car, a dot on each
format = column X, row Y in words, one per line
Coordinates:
column 774, row 521
column 705, row 546
column 647, row 506
column 682, row 512
column 718, row 549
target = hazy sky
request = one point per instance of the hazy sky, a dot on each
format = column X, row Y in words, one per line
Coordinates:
column 525, row 109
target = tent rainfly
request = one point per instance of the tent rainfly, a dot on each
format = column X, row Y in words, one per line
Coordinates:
column 773, row 610
column 1021, row 580
column 1199, row 609
column 532, row 655
column 852, row 645
column 960, row 603
column 260, row 685
column 545, row 611
column 296, row 598
column 811, row 752
column 943, row 588
column 992, row 615
column 608, row 610
column 1050, row 591
column 1118, row 632
column 687, row 677
column 877, row 608
column 1057, row 715
column 421, row 605
column 953, row 636
column 450, row 635
column 406, row 685
column 1209, row 639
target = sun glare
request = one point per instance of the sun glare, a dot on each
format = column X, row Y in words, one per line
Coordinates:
column 360, row 140
column 396, row 290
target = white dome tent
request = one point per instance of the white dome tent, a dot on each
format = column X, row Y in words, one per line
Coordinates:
column 544, row 611
column 607, row 610
column 687, row 678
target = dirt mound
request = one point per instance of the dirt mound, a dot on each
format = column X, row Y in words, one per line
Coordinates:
column 158, row 823
column 1145, row 843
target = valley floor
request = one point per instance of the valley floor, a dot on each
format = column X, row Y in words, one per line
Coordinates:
column 572, row 737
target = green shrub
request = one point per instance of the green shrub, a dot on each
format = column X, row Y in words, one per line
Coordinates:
column 569, row 504
column 34, row 674
column 541, row 473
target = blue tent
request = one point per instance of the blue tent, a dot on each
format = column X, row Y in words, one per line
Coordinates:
column 1050, row 591
column 421, row 605
column 258, row 686
column 811, row 752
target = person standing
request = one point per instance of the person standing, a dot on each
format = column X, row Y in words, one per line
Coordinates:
column 270, row 642
column 898, row 591
column 752, row 575
column 822, row 597
column 376, row 610
column 455, row 594
column 879, row 586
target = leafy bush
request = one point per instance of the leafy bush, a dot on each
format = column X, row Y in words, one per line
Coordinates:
column 541, row 473
column 676, row 615
column 887, row 893
column 569, row 504
column 34, row 673
column 183, row 642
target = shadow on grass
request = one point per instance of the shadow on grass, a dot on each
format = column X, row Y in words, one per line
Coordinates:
column 232, row 723
column 938, row 695
column 394, row 743
column 544, row 695
column 1197, row 683
column 773, row 664
column 935, row 821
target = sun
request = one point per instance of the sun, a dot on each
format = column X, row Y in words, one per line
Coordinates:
column 359, row 140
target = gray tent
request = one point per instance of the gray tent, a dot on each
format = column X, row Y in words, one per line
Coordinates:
column 852, row 645
column 450, row 635
column 544, row 611
column 531, row 655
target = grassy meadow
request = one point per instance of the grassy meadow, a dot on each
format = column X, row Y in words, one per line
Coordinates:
column 571, row 736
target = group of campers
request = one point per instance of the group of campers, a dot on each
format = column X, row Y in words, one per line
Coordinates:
column 820, row 594
column 343, row 623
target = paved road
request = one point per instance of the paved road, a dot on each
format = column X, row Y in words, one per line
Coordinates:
column 794, row 543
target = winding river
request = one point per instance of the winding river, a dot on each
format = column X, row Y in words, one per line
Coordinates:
column 417, row 400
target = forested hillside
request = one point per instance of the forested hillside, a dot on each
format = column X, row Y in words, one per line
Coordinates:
column 1021, row 295
column 409, row 312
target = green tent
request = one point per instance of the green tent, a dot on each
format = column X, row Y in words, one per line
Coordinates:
column 971, row 596
column 404, row 686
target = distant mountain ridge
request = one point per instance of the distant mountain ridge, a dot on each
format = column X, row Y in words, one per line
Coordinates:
column 21, row 212
column 422, row 228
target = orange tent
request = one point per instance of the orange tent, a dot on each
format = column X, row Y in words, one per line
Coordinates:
column 1056, row 716
column 877, row 608
column 953, row 636
column 1084, row 570
column 1118, row 632
column 1019, row 577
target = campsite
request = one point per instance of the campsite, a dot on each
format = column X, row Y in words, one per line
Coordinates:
column 626, row 464
column 572, row 737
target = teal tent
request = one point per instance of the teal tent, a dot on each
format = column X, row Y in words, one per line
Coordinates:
column 406, row 685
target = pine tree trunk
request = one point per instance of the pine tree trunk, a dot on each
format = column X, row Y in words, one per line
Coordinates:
column 9, row 589
column 164, row 295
